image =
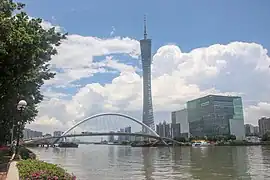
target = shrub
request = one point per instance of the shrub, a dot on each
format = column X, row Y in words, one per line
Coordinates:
column 5, row 153
column 26, row 153
column 4, row 148
column 35, row 169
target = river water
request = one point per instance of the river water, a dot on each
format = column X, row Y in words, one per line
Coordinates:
column 109, row 162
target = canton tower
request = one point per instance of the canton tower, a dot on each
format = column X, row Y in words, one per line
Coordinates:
column 146, row 57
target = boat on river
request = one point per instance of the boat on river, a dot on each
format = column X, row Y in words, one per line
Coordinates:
column 200, row 143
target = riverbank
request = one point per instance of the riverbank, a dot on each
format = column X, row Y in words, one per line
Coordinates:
column 222, row 143
column 96, row 162
column 36, row 169
column 28, row 167
column 244, row 143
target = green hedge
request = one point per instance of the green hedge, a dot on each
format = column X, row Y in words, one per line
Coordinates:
column 26, row 153
column 35, row 169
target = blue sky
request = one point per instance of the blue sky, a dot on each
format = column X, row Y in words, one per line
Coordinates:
column 189, row 24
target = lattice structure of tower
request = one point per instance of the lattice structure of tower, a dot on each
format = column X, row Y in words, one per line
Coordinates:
column 146, row 57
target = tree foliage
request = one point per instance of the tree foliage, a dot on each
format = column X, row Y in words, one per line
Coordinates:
column 25, row 51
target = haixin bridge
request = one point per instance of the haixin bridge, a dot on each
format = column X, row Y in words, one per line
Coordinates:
column 99, row 134
column 149, row 134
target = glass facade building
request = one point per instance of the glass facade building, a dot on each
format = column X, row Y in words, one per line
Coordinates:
column 180, row 124
column 216, row 115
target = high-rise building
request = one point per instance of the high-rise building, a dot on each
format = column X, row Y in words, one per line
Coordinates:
column 121, row 138
column 127, row 130
column 264, row 125
column 163, row 129
column 176, row 130
column 256, row 130
column 28, row 134
column 216, row 115
column 138, row 138
column 111, row 137
column 146, row 56
column 180, row 124
column 57, row 133
column 249, row 130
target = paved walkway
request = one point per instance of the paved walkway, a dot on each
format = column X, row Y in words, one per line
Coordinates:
column 3, row 175
column 13, row 173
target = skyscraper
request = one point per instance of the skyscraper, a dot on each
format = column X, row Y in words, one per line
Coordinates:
column 146, row 56
column 180, row 124
column 264, row 125
column 216, row 115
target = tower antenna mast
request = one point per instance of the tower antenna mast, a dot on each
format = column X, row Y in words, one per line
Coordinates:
column 145, row 32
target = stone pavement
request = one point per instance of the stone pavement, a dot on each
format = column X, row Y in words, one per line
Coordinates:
column 3, row 175
column 13, row 173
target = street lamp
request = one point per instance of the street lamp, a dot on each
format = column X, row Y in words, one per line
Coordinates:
column 20, row 107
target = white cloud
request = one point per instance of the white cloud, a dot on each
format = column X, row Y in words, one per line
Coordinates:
column 254, row 112
column 47, row 25
column 178, row 76
column 75, row 56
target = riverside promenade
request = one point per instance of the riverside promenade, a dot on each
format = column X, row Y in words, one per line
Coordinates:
column 13, row 173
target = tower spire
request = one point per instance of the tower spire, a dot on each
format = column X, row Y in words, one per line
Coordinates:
column 145, row 33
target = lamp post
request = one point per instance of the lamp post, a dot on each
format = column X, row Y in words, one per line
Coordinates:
column 20, row 107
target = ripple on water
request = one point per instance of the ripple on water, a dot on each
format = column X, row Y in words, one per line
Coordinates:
column 122, row 162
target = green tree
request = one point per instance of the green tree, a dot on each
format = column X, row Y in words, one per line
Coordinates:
column 210, row 138
column 232, row 137
column 25, row 51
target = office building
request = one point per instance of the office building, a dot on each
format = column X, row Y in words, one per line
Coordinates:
column 111, row 137
column 29, row 134
column 249, row 130
column 163, row 129
column 176, row 130
column 180, row 124
column 57, row 133
column 264, row 125
column 132, row 138
column 121, row 138
column 139, row 138
column 146, row 57
column 256, row 131
column 127, row 130
column 216, row 115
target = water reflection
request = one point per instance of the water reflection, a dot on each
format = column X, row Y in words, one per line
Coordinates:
column 111, row 155
column 265, row 152
column 122, row 162
column 148, row 164
column 219, row 163
column 181, row 163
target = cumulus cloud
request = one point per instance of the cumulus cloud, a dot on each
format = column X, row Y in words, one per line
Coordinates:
column 75, row 56
column 177, row 77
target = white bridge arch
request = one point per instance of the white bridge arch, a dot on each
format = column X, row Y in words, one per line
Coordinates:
column 108, row 114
